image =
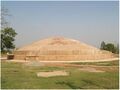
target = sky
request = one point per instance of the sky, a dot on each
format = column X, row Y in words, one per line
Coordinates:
column 90, row 22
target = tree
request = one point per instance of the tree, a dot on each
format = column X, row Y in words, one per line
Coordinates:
column 102, row 47
column 7, row 33
column 7, row 39
column 4, row 14
column 117, row 49
column 110, row 47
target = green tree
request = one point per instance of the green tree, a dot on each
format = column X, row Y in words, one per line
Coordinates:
column 7, row 33
column 7, row 39
column 102, row 47
column 117, row 49
column 110, row 47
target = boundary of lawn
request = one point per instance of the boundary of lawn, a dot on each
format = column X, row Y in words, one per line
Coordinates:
column 110, row 59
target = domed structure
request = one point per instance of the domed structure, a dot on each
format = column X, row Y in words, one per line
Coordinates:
column 60, row 49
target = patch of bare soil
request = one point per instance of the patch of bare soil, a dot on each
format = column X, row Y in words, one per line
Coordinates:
column 90, row 69
column 107, row 68
column 53, row 73
column 34, row 63
column 18, row 61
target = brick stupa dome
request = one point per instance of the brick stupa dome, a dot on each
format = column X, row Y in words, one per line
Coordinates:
column 60, row 49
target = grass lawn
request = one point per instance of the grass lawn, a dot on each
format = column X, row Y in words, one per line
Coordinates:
column 20, row 76
column 105, row 63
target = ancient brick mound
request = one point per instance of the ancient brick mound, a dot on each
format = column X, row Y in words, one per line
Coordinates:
column 61, row 49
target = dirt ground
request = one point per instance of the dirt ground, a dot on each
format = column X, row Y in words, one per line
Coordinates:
column 42, row 61
column 52, row 73
column 90, row 69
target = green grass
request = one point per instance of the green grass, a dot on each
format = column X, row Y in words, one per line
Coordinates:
column 19, row 76
column 105, row 63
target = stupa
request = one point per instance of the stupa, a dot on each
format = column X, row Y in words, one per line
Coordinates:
column 60, row 49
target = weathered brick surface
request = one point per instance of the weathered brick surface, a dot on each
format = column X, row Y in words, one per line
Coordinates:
column 60, row 49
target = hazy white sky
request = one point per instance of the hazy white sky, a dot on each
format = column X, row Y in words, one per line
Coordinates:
column 88, row 21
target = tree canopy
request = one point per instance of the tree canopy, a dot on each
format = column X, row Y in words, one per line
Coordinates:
column 109, row 47
column 7, row 39
column 7, row 33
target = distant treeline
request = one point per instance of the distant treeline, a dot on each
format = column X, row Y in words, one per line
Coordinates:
column 110, row 47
